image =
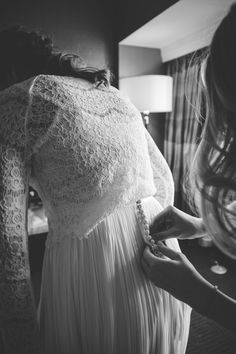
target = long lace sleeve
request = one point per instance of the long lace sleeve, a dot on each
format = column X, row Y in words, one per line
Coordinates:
column 18, row 324
column 162, row 175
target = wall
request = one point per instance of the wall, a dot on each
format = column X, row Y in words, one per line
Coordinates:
column 83, row 27
column 131, row 15
column 92, row 28
column 138, row 61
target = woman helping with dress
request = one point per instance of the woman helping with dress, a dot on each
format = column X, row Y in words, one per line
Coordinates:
column 213, row 186
column 84, row 149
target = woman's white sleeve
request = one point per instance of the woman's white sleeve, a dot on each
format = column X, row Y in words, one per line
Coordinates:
column 18, row 325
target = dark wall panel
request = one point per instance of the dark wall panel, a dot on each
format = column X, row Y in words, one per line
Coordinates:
column 82, row 27
column 133, row 14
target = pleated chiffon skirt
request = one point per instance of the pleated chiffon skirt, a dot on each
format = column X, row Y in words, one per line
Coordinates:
column 95, row 298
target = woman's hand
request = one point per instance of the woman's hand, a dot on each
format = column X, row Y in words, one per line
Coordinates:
column 172, row 222
column 176, row 275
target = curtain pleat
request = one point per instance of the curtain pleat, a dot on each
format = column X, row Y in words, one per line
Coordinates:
column 182, row 128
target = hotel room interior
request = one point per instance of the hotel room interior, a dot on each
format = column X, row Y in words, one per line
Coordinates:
column 153, row 48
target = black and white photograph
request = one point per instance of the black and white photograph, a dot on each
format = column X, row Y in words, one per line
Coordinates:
column 118, row 177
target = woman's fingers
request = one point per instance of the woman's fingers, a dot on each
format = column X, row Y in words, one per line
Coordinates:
column 149, row 256
column 151, row 259
column 161, row 222
column 164, row 235
column 150, row 262
column 170, row 253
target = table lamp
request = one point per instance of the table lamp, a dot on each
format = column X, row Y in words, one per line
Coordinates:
column 149, row 93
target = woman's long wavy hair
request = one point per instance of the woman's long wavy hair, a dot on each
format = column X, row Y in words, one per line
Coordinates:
column 26, row 54
column 213, row 173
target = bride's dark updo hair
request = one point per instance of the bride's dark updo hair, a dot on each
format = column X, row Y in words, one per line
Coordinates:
column 26, row 54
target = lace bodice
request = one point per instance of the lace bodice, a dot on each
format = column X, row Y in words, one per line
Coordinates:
column 86, row 152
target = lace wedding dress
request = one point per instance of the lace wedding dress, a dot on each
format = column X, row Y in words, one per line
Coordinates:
column 86, row 152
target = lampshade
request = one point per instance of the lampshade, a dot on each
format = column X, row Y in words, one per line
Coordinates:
column 151, row 93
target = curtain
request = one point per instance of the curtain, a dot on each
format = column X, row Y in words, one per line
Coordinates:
column 182, row 128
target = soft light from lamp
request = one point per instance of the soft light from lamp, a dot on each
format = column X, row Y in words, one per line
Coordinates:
column 151, row 93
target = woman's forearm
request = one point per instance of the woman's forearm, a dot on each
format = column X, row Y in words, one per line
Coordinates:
column 223, row 310
column 216, row 305
column 176, row 274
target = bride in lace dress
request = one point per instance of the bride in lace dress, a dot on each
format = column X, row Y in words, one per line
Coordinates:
column 83, row 147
